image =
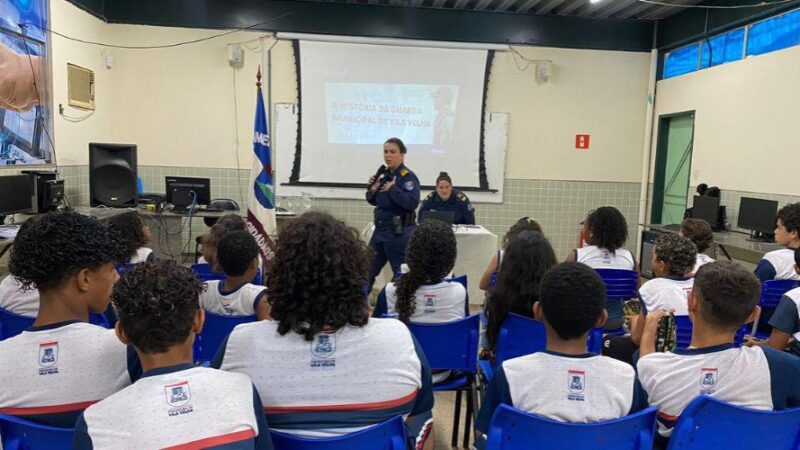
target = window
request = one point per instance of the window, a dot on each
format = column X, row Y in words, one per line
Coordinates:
column 774, row 34
column 681, row 61
column 722, row 49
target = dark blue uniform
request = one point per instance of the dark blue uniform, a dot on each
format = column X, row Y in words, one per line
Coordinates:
column 458, row 203
column 394, row 219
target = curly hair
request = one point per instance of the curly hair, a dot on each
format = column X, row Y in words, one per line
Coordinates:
column 790, row 216
column 699, row 232
column 129, row 229
column 57, row 246
column 572, row 298
column 226, row 223
column 523, row 224
column 431, row 254
column 318, row 276
column 608, row 227
column 528, row 257
column 729, row 293
column 677, row 252
column 236, row 250
column 156, row 303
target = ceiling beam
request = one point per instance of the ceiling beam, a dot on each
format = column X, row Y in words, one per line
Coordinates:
column 482, row 5
column 527, row 6
column 460, row 4
column 610, row 8
column 644, row 9
column 568, row 8
column 547, row 7
column 439, row 3
column 666, row 11
column 505, row 5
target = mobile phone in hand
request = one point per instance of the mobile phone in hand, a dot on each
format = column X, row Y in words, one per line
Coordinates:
column 665, row 334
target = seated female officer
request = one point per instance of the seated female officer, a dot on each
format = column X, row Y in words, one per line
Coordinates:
column 448, row 199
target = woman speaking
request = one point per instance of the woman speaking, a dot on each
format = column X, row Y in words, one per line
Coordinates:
column 394, row 191
column 448, row 199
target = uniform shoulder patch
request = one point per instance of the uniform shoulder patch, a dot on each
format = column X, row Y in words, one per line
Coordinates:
column 404, row 172
column 429, row 197
column 409, row 185
column 461, row 196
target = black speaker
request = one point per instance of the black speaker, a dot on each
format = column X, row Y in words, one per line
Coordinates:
column 112, row 175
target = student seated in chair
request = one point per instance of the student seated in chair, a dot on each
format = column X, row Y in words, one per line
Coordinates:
column 779, row 264
column 785, row 321
column 699, row 232
column 564, row 382
column 422, row 294
column 724, row 297
column 237, row 255
column 673, row 261
column 523, row 224
column 54, row 370
column 174, row 404
column 14, row 297
column 133, row 235
column 324, row 368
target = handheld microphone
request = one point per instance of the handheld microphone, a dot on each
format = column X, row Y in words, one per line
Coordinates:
column 381, row 171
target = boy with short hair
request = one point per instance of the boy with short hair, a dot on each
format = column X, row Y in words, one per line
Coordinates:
column 785, row 321
column 674, row 258
column 174, row 404
column 779, row 264
column 237, row 254
column 62, row 364
column 556, row 383
column 725, row 296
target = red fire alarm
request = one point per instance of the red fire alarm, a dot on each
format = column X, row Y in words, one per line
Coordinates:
column 582, row 141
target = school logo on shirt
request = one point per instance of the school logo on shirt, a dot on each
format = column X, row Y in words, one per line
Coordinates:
column 178, row 397
column 430, row 303
column 708, row 380
column 48, row 358
column 576, row 383
column 606, row 257
column 322, row 349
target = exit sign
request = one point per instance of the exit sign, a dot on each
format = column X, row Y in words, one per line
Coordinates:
column 582, row 141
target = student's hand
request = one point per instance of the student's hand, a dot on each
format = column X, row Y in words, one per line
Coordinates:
column 388, row 185
column 750, row 341
column 648, row 344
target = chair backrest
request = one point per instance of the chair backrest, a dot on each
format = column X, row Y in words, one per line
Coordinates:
column 204, row 272
column 215, row 330
column 20, row 434
column 512, row 429
column 710, row 423
column 595, row 341
column 493, row 279
column 462, row 279
column 772, row 291
column 224, row 204
column 389, row 435
column 451, row 345
column 12, row 324
column 683, row 333
column 519, row 336
column 620, row 283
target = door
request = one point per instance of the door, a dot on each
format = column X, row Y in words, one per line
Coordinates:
column 673, row 164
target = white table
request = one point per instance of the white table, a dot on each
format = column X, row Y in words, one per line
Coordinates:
column 475, row 246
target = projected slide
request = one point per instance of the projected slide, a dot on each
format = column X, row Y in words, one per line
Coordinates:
column 353, row 97
column 366, row 113
column 24, row 104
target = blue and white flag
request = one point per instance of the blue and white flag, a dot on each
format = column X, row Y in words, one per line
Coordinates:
column 261, row 198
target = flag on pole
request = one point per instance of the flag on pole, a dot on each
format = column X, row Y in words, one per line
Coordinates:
column 261, row 197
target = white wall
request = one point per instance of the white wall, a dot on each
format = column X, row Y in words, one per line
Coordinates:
column 745, row 123
column 72, row 139
column 177, row 104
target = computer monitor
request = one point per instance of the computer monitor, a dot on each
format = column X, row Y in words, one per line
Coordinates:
column 646, row 253
column 706, row 208
column 200, row 186
column 17, row 194
column 757, row 215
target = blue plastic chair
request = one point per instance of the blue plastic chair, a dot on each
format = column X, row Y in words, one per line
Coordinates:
column 518, row 336
column 122, row 269
column 771, row 293
column 709, row 423
column 204, row 272
column 20, row 434
column 621, row 285
column 216, row 328
column 12, row 324
column 683, row 333
column 512, row 429
column 595, row 342
column 453, row 346
column 389, row 435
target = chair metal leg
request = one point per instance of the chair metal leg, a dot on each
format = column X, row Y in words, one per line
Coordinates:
column 456, row 420
column 468, row 417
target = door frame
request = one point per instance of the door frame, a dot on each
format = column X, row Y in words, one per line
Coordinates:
column 659, row 177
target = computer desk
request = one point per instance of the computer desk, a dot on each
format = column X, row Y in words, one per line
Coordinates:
column 734, row 245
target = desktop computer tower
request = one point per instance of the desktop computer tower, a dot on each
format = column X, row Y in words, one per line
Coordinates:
column 48, row 192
